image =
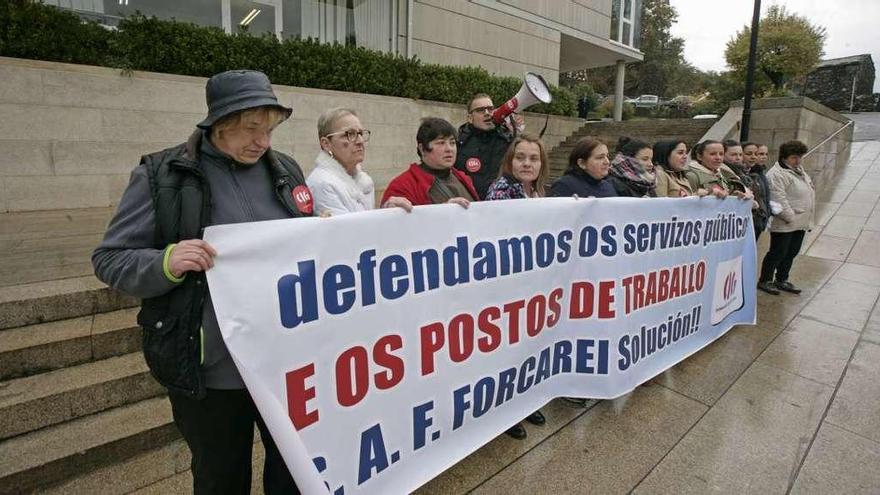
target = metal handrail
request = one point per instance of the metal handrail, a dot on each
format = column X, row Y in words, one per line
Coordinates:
column 814, row 148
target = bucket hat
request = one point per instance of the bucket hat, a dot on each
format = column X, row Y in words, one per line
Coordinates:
column 236, row 90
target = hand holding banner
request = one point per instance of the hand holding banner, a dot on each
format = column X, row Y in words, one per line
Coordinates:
column 383, row 347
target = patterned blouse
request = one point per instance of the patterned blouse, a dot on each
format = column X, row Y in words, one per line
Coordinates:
column 506, row 187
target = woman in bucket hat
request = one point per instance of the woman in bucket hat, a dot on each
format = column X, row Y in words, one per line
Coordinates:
column 226, row 172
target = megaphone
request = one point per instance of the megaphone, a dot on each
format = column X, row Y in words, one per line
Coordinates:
column 534, row 89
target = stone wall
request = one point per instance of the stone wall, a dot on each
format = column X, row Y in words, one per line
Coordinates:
column 777, row 120
column 831, row 83
column 71, row 134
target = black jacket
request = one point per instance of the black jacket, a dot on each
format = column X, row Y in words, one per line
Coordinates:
column 761, row 189
column 576, row 181
column 480, row 153
column 169, row 199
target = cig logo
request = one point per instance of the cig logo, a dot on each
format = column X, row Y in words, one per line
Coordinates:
column 730, row 285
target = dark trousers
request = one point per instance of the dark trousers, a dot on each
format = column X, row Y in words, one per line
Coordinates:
column 219, row 431
column 784, row 246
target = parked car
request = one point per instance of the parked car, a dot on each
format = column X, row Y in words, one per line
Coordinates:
column 645, row 101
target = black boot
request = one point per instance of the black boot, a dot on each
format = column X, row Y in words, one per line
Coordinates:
column 536, row 418
column 768, row 287
column 787, row 287
column 517, row 431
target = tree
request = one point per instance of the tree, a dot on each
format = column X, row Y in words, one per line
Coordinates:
column 789, row 46
column 664, row 53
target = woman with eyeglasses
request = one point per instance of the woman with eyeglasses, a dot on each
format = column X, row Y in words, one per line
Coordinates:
column 338, row 182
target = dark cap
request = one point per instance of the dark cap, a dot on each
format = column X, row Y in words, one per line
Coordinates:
column 236, row 90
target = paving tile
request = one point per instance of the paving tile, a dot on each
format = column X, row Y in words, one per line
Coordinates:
column 873, row 222
column 845, row 226
column 867, row 196
column 811, row 349
column 706, row 375
column 865, row 249
column 607, row 450
column 868, row 184
column 749, row 442
column 856, row 208
column 500, row 452
column 843, row 303
column 777, row 311
column 824, row 212
column 855, row 405
column 835, row 194
column 831, row 247
column 869, row 275
column 839, row 462
column 810, row 274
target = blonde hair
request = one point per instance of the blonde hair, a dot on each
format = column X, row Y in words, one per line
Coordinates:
column 507, row 161
column 329, row 117
column 232, row 121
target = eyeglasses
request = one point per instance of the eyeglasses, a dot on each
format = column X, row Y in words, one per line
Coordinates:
column 486, row 109
column 351, row 135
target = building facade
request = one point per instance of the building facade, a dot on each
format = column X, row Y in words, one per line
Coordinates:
column 506, row 37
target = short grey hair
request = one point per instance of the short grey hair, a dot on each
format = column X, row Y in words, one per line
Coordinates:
column 329, row 117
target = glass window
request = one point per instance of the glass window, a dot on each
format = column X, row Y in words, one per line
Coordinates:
column 252, row 17
column 624, row 16
column 365, row 23
column 615, row 20
column 201, row 12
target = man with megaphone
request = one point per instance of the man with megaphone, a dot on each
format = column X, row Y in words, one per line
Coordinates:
column 485, row 137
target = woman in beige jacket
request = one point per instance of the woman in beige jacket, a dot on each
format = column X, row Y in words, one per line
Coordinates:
column 670, row 165
column 791, row 187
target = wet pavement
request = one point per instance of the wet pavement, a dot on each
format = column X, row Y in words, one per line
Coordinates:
column 790, row 405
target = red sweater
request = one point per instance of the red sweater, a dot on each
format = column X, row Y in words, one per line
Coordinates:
column 415, row 183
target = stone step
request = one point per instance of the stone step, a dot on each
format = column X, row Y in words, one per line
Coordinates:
column 34, row 402
column 48, row 346
column 652, row 138
column 40, row 302
column 181, row 483
column 59, row 453
column 154, row 468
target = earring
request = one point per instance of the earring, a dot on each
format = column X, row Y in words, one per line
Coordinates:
column 329, row 152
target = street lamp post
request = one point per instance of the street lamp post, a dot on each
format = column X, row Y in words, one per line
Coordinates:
column 750, row 74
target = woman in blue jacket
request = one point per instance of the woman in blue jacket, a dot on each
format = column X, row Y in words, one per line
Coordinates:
column 587, row 174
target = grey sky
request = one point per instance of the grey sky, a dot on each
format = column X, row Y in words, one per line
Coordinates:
column 707, row 26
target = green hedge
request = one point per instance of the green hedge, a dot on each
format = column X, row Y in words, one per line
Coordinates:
column 32, row 30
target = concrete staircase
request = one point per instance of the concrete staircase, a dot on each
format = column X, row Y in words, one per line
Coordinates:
column 76, row 395
column 650, row 131
column 79, row 411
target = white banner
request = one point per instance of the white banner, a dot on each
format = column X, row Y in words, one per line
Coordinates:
column 383, row 347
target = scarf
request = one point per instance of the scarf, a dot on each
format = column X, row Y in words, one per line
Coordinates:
column 633, row 173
